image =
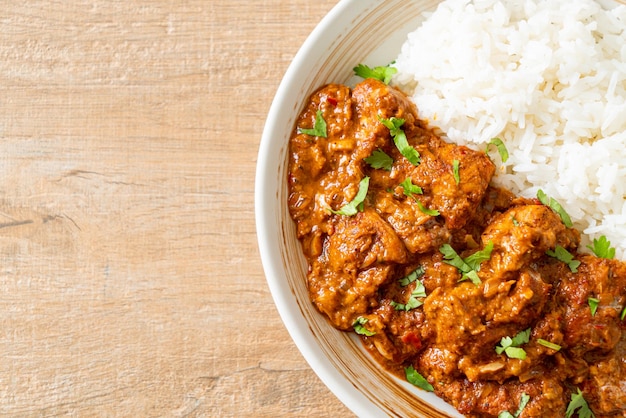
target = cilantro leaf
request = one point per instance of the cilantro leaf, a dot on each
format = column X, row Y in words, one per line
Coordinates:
column 593, row 305
column 413, row 302
column 383, row 73
column 602, row 248
column 451, row 257
column 379, row 159
column 413, row 276
column 548, row 344
column 504, row 153
column 579, row 403
column 510, row 346
column 555, row 206
column 359, row 327
column 515, row 352
column 319, row 129
column 522, row 337
column 455, row 171
column 425, row 210
column 524, row 399
column 399, row 138
column 413, row 377
column 355, row 205
column 505, row 342
column 563, row 255
column 478, row 257
column 470, row 265
column 409, row 189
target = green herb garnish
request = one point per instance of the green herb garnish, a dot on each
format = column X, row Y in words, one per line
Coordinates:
column 410, row 189
column 555, row 206
column 413, row 276
column 379, row 159
column 548, row 344
column 413, row 377
column 350, row 209
column 470, row 265
column 593, row 305
column 425, row 210
column 511, row 346
column 413, row 302
column 399, row 138
column 579, row 403
column 623, row 314
column 359, row 327
column 602, row 248
column 524, row 399
column 383, row 73
column 504, row 153
column 565, row 256
column 319, row 129
column 455, row 171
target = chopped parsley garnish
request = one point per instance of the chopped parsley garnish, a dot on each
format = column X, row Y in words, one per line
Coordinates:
column 356, row 205
column 413, row 276
column 579, row 403
column 319, row 129
column 515, row 222
column 413, row 302
column 416, row 379
column 504, row 153
column 565, row 256
column 593, row 305
column 523, row 401
column 379, row 159
column 548, row 344
column 623, row 314
column 399, row 138
column 470, row 265
column 455, row 171
column 602, row 248
column 409, row 189
column 511, row 346
column 555, row 206
column 383, row 73
column 359, row 327
column 425, row 210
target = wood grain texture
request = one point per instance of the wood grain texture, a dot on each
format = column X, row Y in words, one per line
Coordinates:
column 130, row 281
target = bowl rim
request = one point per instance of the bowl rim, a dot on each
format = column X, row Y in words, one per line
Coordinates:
column 264, row 209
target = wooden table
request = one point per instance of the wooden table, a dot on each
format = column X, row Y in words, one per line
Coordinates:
column 131, row 283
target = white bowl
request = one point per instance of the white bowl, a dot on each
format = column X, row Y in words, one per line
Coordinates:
column 355, row 31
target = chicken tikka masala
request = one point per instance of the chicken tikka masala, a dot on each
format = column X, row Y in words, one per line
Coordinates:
column 457, row 285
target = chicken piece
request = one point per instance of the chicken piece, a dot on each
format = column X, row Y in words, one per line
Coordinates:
column 523, row 234
column 586, row 332
column 420, row 232
column 316, row 162
column 357, row 259
column 489, row 399
column 607, row 383
column 456, row 199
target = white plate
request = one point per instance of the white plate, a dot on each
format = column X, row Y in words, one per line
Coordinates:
column 355, row 31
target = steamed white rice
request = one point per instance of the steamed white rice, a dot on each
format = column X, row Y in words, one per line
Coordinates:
column 549, row 79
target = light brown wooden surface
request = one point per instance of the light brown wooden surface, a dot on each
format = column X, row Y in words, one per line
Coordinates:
column 130, row 280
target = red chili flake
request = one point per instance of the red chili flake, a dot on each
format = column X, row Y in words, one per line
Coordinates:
column 412, row 339
column 332, row 101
